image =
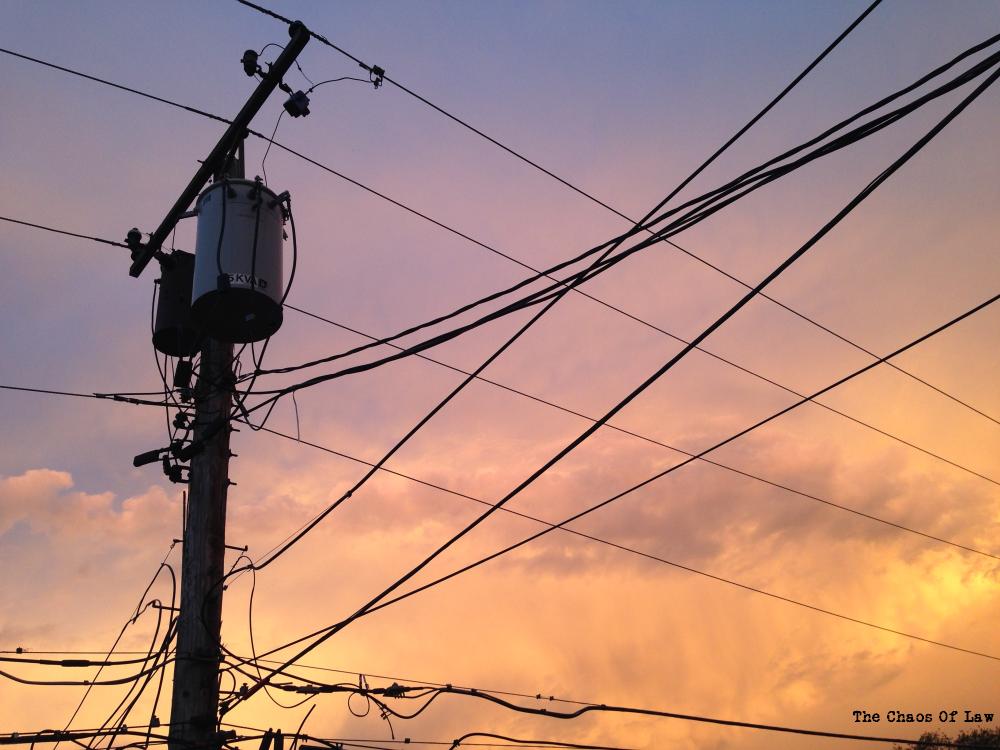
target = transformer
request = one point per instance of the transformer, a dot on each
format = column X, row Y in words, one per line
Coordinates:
column 238, row 279
column 174, row 330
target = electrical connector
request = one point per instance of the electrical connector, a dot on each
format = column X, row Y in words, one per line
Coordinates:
column 249, row 61
column 297, row 104
column 182, row 374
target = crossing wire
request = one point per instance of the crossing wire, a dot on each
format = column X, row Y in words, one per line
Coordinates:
column 511, row 258
column 983, row 67
column 127, row 399
column 589, row 196
column 655, row 376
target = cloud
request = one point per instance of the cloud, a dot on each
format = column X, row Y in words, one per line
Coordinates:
column 44, row 501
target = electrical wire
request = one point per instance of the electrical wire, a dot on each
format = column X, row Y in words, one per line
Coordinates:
column 270, row 142
column 326, row 632
column 323, row 40
column 822, row 232
column 60, row 231
column 639, row 436
column 52, row 735
column 616, row 428
column 871, row 187
column 655, row 713
column 618, row 213
column 603, row 265
column 934, row 73
column 138, row 610
column 100, row 396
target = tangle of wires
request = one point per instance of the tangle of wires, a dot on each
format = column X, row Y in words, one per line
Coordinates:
column 151, row 666
column 873, row 185
column 674, row 221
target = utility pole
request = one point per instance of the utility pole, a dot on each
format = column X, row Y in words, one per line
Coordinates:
column 196, row 670
column 195, row 703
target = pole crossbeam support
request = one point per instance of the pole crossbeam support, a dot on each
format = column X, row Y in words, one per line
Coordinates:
column 216, row 160
column 194, row 711
column 194, row 707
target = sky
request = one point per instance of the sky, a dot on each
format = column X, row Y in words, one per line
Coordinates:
column 623, row 100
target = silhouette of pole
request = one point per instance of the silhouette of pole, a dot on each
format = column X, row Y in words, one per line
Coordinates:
column 195, row 701
column 194, row 710
column 194, row 707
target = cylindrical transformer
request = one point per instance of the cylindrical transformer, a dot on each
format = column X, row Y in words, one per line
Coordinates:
column 174, row 331
column 237, row 273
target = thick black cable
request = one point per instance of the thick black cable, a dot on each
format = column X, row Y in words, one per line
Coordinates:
column 603, row 264
column 343, row 623
column 556, row 296
column 927, row 77
column 857, row 200
column 61, row 231
column 533, row 743
column 566, row 715
column 372, row 605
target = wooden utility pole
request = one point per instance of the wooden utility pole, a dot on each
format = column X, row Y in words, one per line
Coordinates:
column 194, row 708
column 195, row 705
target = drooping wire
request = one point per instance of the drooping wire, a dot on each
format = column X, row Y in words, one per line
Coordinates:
column 121, row 397
column 655, row 376
column 138, row 609
column 614, row 498
column 277, row 122
column 494, row 250
column 693, row 215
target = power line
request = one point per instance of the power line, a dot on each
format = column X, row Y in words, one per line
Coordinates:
column 629, row 710
column 323, row 40
column 510, row 258
column 62, row 231
column 328, row 631
column 562, row 525
column 120, row 397
column 747, row 178
column 662, row 444
column 99, row 396
column 621, row 215
column 667, row 333
column 602, row 265
column 825, row 229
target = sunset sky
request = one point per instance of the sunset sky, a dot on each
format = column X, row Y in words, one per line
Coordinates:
column 623, row 100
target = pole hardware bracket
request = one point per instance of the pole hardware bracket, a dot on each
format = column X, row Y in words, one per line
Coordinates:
column 143, row 253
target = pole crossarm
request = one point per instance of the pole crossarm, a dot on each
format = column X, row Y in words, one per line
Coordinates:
column 216, row 159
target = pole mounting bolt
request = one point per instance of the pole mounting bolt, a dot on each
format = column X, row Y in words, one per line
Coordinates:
column 297, row 104
column 134, row 241
column 249, row 61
